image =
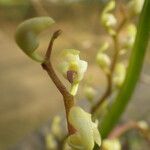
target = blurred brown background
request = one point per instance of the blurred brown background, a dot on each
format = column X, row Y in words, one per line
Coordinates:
column 28, row 98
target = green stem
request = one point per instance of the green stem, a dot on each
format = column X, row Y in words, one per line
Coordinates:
column 133, row 72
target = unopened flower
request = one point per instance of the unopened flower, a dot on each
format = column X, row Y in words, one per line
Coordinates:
column 56, row 129
column 73, row 68
column 111, row 144
column 103, row 59
column 51, row 142
column 104, row 47
column 143, row 125
column 135, row 6
column 27, row 32
column 130, row 37
column 86, row 131
column 89, row 93
column 108, row 20
column 119, row 74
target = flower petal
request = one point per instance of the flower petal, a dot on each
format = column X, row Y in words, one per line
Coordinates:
column 82, row 122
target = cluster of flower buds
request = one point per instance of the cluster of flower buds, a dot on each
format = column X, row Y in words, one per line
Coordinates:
column 111, row 144
column 86, row 134
column 73, row 68
column 108, row 20
column 102, row 58
column 119, row 74
column 55, row 134
column 26, row 35
column 135, row 6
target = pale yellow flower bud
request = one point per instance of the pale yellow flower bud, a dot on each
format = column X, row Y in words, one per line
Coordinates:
column 56, row 129
column 136, row 6
column 89, row 93
column 111, row 144
column 103, row 61
column 143, row 125
column 86, row 130
column 119, row 74
column 73, row 68
column 51, row 143
column 27, row 35
column 108, row 20
column 131, row 34
column 104, row 47
column 110, row 6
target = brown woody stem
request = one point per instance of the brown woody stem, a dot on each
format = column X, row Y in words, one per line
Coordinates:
column 67, row 97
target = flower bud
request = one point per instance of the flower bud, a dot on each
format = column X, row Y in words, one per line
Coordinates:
column 51, row 143
column 108, row 20
column 111, row 144
column 73, row 68
column 103, row 61
column 89, row 93
column 110, row 6
column 143, row 125
column 135, row 6
column 131, row 34
column 56, row 127
column 27, row 32
column 119, row 74
column 104, row 47
column 86, row 130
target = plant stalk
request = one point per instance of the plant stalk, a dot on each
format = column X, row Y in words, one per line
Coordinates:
column 133, row 72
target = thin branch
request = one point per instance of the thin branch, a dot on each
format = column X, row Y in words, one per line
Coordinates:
column 67, row 97
column 49, row 68
column 50, row 46
column 122, row 129
column 104, row 96
column 109, row 76
column 116, row 54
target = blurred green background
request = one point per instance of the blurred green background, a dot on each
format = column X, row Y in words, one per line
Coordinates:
column 28, row 98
